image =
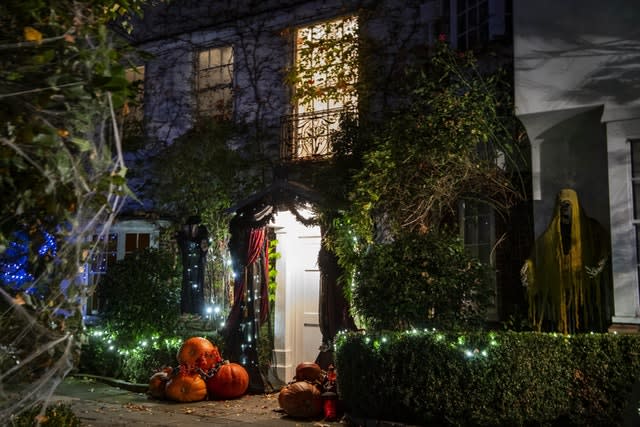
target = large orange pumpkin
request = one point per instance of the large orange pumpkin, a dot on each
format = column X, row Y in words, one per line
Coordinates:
column 308, row 371
column 198, row 352
column 301, row 399
column 229, row 382
column 186, row 386
column 158, row 383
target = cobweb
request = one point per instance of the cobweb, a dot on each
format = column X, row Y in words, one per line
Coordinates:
column 41, row 332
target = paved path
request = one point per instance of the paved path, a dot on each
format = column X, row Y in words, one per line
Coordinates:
column 101, row 405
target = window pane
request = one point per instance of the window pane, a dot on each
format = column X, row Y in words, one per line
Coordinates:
column 635, row 158
column 326, row 71
column 214, row 82
column 638, row 244
column 636, row 200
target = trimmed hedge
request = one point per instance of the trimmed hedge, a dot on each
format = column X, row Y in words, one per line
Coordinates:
column 488, row 379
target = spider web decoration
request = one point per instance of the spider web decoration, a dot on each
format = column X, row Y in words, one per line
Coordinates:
column 41, row 302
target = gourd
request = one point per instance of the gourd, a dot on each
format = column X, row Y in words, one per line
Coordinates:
column 158, row 383
column 308, row 371
column 301, row 399
column 186, row 386
column 198, row 352
column 228, row 381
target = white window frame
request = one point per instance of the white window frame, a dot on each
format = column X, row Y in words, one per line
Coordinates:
column 215, row 64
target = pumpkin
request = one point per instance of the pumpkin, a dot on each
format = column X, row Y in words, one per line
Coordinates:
column 308, row 371
column 198, row 352
column 301, row 399
column 231, row 380
column 186, row 386
column 158, row 383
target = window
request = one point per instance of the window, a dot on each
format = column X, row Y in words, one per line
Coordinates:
column 635, row 184
column 133, row 111
column 104, row 255
column 136, row 242
column 324, row 77
column 477, row 225
column 215, row 83
column 472, row 17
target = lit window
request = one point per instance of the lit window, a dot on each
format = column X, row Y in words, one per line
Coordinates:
column 324, row 77
column 134, row 110
column 135, row 242
column 215, row 83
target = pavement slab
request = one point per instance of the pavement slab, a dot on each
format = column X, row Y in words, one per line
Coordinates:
column 100, row 405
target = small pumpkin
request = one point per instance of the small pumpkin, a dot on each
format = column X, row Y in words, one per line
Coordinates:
column 230, row 381
column 186, row 386
column 301, row 399
column 198, row 352
column 308, row 371
column 158, row 383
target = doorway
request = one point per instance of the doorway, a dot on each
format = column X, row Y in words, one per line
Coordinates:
column 297, row 335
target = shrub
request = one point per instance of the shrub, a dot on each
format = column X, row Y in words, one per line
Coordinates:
column 421, row 281
column 491, row 379
column 142, row 296
column 59, row 415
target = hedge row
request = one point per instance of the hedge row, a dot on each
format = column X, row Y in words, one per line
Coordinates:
column 488, row 379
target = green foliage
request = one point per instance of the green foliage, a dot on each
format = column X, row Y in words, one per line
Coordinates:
column 421, row 281
column 61, row 168
column 102, row 355
column 447, row 144
column 274, row 256
column 450, row 138
column 201, row 174
column 492, row 379
column 142, row 296
column 59, row 415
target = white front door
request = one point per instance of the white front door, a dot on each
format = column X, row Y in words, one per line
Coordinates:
column 297, row 326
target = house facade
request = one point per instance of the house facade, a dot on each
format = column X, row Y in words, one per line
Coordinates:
column 259, row 64
column 576, row 92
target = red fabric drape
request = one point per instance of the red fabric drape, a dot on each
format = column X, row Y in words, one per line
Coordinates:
column 264, row 287
column 256, row 242
column 254, row 249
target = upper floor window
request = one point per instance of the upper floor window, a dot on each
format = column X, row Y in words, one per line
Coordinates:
column 324, row 77
column 214, row 82
column 472, row 23
column 130, row 117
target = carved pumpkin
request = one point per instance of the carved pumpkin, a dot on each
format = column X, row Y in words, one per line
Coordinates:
column 308, row 371
column 198, row 352
column 186, row 387
column 158, row 383
column 301, row 399
column 229, row 382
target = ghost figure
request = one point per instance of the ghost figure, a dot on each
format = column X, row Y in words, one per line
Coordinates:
column 567, row 275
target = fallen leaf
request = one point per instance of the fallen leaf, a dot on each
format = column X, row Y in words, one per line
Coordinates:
column 32, row 35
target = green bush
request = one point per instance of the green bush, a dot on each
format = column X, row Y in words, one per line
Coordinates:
column 104, row 355
column 59, row 415
column 488, row 379
column 421, row 281
column 142, row 296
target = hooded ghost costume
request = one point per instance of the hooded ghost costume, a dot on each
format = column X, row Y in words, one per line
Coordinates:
column 567, row 276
